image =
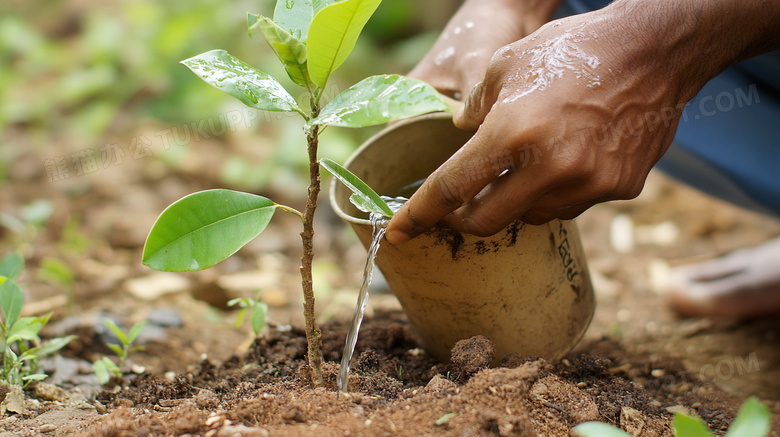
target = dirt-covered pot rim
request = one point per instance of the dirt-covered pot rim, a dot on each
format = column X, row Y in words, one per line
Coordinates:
column 370, row 143
column 366, row 145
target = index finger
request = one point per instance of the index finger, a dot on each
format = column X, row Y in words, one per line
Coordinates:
column 452, row 185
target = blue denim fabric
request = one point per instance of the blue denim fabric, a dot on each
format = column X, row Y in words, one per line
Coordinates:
column 728, row 139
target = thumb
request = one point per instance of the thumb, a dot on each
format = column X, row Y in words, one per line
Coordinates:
column 475, row 109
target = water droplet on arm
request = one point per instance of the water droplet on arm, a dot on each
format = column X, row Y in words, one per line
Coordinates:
column 444, row 55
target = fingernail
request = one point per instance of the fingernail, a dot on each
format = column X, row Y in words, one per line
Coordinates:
column 395, row 237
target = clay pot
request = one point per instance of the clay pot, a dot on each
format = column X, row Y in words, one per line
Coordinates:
column 526, row 288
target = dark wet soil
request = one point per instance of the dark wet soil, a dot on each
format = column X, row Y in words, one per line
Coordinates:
column 396, row 389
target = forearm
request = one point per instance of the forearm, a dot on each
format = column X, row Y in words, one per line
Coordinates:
column 533, row 13
column 698, row 39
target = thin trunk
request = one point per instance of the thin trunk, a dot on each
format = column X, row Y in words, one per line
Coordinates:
column 313, row 333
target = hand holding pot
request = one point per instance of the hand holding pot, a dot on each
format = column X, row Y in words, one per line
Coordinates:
column 578, row 113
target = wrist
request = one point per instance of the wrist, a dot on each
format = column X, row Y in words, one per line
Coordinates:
column 697, row 39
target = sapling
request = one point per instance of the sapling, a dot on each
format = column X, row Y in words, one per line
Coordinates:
column 104, row 368
column 311, row 38
column 753, row 420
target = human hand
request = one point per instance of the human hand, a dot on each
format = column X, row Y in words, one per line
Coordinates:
column 588, row 100
column 458, row 59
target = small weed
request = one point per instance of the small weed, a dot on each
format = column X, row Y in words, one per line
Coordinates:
column 105, row 367
column 20, row 343
column 258, row 309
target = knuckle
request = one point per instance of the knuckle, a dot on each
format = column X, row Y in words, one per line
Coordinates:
column 614, row 186
column 633, row 190
column 449, row 191
column 570, row 166
column 606, row 184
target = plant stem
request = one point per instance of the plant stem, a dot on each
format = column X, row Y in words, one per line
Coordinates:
column 313, row 333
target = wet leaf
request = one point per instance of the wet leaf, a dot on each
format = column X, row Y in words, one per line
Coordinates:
column 12, row 265
column 288, row 49
column 202, row 229
column 11, row 301
column 332, row 35
column 242, row 81
column 379, row 99
column 753, row 420
column 689, row 426
column 598, row 429
column 363, row 197
column 294, row 16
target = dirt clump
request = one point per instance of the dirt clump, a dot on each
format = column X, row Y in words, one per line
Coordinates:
column 471, row 355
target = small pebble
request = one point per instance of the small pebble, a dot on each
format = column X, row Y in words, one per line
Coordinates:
column 49, row 392
column 166, row 317
column 46, row 428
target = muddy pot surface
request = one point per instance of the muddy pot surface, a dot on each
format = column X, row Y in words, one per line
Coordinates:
column 526, row 288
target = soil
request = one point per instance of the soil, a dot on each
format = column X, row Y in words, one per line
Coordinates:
column 637, row 364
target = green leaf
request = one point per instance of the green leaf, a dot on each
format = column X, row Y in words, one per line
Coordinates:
column 242, row 302
column 35, row 377
column 444, row 419
column 202, row 229
column 99, row 367
column 258, row 317
column 363, row 196
column 25, row 328
column 332, row 35
column 240, row 317
column 689, row 426
column 134, row 331
column 116, row 349
column 294, row 16
column 12, row 265
column 54, row 345
column 288, row 49
column 116, row 330
column 598, row 429
column 753, row 420
column 55, row 271
column 242, row 81
column 11, row 301
column 379, row 99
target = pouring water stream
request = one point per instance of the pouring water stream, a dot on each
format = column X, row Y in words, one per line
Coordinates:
column 379, row 225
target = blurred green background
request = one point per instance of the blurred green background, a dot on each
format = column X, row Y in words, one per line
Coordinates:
column 78, row 74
